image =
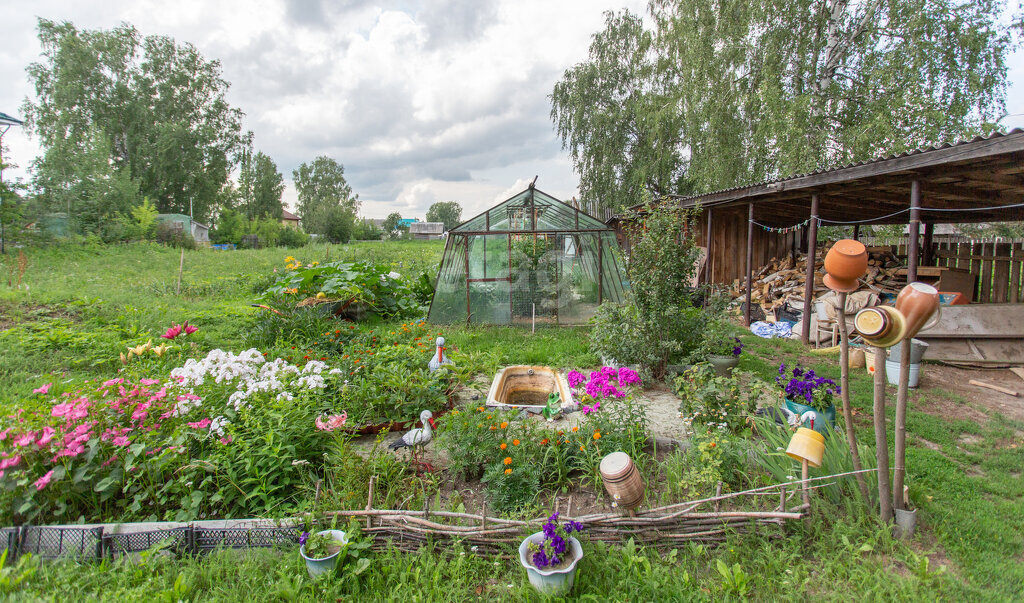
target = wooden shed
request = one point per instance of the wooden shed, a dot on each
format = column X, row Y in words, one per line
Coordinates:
column 979, row 180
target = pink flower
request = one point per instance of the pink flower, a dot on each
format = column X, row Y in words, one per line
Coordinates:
column 10, row 461
column 62, row 409
column 149, row 381
column 332, row 422
column 41, row 482
column 226, row 440
column 200, row 424
column 121, row 441
column 25, row 439
column 3, row 434
column 110, row 460
column 45, row 436
column 42, row 390
column 117, row 381
column 172, row 332
column 189, row 329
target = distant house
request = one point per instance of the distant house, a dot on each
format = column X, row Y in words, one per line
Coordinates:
column 289, row 219
column 200, row 232
column 426, row 231
column 405, row 223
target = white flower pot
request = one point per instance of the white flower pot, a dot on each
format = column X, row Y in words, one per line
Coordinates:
column 550, row 582
column 315, row 567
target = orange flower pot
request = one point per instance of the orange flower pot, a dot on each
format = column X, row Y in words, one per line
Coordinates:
column 846, row 262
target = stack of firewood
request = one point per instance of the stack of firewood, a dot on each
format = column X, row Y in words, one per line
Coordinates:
column 782, row 280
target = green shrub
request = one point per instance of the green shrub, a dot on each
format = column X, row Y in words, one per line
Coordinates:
column 292, row 238
column 724, row 403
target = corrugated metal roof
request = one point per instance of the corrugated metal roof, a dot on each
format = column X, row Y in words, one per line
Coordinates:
column 783, row 180
column 426, row 228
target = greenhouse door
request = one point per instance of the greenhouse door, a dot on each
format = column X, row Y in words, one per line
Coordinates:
column 488, row 278
column 534, row 262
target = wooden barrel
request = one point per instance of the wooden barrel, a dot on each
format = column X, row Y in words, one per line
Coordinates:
column 622, row 480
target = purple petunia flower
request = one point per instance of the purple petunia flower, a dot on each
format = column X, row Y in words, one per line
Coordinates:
column 540, row 559
column 303, row 538
column 575, row 378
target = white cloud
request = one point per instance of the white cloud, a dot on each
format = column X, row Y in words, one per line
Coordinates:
column 421, row 100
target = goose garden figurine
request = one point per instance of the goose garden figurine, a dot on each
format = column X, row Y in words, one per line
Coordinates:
column 439, row 358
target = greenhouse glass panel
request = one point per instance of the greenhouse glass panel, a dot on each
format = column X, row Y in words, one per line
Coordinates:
column 530, row 259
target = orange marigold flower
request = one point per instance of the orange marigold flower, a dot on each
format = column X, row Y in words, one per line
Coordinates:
column 515, row 442
column 493, row 427
column 582, row 448
column 508, row 460
column 480, row 408
column 504, row 424
column 507, row 471
column 575, row 429
column 597, row 435
column 544, row 442
column 503, row 445
column 712, row 445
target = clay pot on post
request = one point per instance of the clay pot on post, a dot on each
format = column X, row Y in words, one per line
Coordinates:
column 881, row 326
column 918, row 302
column 846, row 262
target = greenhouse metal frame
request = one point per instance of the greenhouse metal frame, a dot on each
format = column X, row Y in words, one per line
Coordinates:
column 531, row 259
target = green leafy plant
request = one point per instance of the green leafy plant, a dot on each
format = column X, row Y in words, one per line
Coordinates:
column 734, row 580
column 726, row 403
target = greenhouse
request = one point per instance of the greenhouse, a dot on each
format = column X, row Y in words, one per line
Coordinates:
column 531, row 258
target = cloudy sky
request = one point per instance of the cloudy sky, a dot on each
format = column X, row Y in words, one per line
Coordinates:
column 422, row 101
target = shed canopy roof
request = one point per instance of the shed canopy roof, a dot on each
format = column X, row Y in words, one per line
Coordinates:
column 531, row 210
column 287, row 215
column 984, row 174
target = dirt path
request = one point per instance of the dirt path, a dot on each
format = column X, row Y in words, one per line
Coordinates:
column 940, row 377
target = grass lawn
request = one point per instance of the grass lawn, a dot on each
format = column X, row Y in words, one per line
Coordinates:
column 83, row 306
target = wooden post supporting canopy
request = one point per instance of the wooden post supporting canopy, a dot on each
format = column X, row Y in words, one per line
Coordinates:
column 707, row 256
column 812, row 250
column 913, row 244
column 750, row 261
column 927, row 255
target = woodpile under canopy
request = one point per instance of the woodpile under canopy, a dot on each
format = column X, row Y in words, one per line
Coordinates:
column 781, row 281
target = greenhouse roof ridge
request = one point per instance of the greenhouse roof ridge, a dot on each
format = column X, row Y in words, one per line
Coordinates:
column 547, row 214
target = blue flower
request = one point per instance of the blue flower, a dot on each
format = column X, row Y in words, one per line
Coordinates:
column 303, row 538
column 540, row 559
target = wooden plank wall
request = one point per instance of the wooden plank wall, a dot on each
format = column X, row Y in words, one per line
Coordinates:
column 996, row 264
column 728, row 257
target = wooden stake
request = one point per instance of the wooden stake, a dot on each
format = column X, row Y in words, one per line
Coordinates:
column 803, row 476
column 900, row 430
column 369, row 497
column 844, row 386
column 881, row 440
column 181, row 266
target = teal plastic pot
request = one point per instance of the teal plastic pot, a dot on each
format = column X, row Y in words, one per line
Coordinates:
column 819, row 426
column 315, row 566
column 550, row 582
